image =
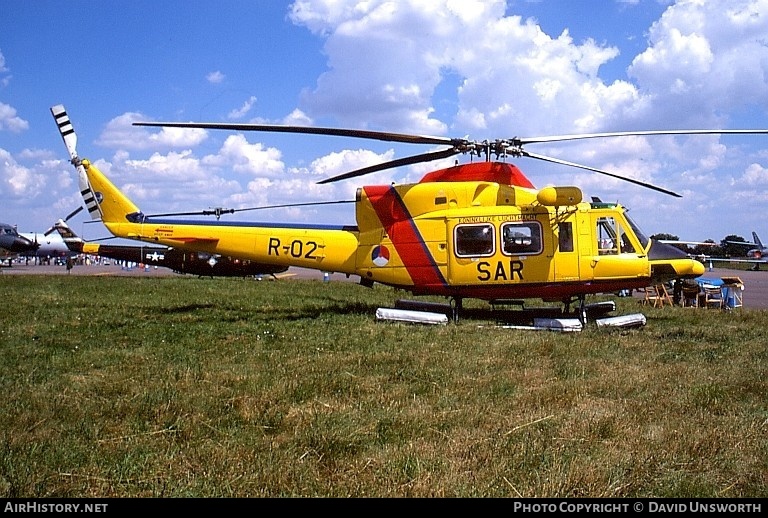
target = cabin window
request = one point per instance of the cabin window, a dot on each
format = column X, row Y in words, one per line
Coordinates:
column 474, row 240
column 521, row 238
column 565, row 237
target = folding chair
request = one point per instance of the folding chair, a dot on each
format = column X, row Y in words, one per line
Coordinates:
column 713, row 297
column 691, row 295
column 657, row 296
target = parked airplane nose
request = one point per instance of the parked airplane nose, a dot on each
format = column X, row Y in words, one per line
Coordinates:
column 22, row 244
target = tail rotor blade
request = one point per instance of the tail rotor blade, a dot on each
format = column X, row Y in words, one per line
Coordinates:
column 69, row 136
column 66, row 130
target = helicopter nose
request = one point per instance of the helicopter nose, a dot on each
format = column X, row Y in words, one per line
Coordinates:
column 688, row 268
column 669, row 263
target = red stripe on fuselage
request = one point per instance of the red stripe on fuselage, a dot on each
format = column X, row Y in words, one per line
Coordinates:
column 402, row 231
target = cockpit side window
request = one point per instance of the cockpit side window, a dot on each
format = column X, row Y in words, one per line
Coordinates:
column 474, row 240
column 612, row 238
column 606, row 236
column 626, row 243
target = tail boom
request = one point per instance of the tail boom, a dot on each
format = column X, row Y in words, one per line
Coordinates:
column 300, row 246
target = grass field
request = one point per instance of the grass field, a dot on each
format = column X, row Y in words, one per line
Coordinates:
column 186, row 387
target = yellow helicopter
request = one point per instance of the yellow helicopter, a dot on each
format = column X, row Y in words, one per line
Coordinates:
column 479, row 230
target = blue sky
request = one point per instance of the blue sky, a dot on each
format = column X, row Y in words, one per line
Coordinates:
column 455, row 68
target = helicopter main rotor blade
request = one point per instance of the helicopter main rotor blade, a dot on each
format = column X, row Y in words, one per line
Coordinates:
column 561, row 138
column 263, row 207
column 311, row 130
column 288, row 205
column 506, row 147
column 415, row 159
column 626, row 179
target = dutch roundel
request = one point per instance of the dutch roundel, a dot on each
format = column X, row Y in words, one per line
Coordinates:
column 380, row 255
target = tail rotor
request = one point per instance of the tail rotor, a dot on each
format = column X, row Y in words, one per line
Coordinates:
column 69, row 136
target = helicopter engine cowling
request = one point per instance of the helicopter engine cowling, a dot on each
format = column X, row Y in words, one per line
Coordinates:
column 559, row 196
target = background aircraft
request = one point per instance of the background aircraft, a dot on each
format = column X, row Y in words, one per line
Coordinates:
column 44, row 247
column 180, row 261
column 12, row 243
column 50, row 248
column 757, row 255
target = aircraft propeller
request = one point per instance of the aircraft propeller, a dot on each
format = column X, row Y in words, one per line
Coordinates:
column 500, row 147
column 69, row 216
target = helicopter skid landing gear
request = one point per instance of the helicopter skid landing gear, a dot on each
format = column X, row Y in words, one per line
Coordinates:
column 581, row 309
column 455, row 308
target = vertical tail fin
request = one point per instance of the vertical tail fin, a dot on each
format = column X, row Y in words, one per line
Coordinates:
column 72, row 240
column 757, row 240
column 102, row 199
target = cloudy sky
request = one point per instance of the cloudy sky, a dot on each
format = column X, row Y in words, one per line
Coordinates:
column 456, row 68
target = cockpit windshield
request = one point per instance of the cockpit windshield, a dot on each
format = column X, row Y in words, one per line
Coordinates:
column 639, row 233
